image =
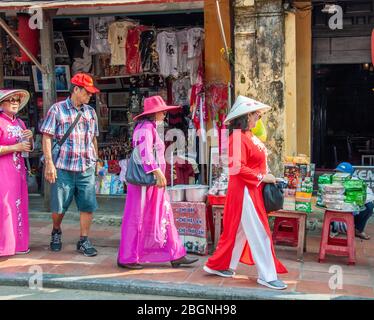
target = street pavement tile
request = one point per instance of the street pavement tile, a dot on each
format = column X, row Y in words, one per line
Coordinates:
column 322, row 277
column 240, row 282
column 70, row 269
column 155, row 274
column 199, row 276
column 305, row 286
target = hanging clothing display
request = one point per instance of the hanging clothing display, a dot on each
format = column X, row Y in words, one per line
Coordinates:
column 217, row 101
column 167, row 48
column 195, row 39
column 133, row 63
column 148, row 53
column 117, row 38
column 182, row 51
column 180, row 90
column 99, row 34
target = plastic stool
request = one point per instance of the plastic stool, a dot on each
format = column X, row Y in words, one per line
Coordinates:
column 338, row 246
column 286, row 230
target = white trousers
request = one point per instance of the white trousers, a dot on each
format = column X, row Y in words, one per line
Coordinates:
column 252, row 230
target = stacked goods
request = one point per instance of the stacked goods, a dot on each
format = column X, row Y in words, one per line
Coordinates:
column 333, row 196
column 355, row 192
column 299, row 174
column 322, row 180
column 304, row 192
column 340, row 192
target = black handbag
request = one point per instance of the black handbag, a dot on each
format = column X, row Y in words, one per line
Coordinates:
column 135, row 173
column 273, row 197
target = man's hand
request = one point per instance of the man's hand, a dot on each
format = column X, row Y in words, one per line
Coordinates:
column 50, row 172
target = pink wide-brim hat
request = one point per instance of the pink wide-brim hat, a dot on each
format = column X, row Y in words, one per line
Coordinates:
column 153, row 105
column 7, row 93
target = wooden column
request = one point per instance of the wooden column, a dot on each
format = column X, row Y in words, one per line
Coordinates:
column 49, row 86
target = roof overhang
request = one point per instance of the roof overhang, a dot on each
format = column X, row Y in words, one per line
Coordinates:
column 98, row 7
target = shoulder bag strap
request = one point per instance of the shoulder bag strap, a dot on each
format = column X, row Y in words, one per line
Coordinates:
column 67, row 134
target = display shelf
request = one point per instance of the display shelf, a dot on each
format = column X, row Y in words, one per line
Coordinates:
column 127, row 75
column 17, row 78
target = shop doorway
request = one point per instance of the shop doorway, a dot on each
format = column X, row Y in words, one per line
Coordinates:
column 343, row 114
column 342, row 82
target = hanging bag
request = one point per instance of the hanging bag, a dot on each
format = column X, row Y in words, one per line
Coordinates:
column 273, row 197
column 135, row 173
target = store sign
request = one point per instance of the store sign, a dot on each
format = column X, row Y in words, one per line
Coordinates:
column 190, row 221
column 366, row 174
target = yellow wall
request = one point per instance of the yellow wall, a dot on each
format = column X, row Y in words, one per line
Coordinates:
column 304, row 79
column 290, row 87
column 298, row 77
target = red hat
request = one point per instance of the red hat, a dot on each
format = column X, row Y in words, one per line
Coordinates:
column 155, row 104
column 84, row 80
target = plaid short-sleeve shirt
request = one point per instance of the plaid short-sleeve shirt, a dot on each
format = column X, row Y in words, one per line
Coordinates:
column 77, row 152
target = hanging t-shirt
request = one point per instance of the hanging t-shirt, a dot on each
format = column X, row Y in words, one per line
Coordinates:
column 168, row 53
column 148, row 53
column 180, row 90
column 99, row 34
column 133, row 63
column 117, row 38
column 195, row 38
column 182, row 51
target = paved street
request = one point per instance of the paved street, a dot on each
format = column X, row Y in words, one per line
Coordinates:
column 69, row 269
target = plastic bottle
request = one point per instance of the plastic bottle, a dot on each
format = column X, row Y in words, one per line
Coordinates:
column 24, row 154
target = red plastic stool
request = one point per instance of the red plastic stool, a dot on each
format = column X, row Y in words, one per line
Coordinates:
column 338, row 246
column 286, row 230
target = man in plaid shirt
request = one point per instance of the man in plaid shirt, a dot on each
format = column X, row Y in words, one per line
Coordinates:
column 73, row 174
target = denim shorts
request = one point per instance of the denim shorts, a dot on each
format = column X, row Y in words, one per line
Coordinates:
column 69, row 184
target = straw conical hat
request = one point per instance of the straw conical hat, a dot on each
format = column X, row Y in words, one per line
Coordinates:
column 244, row 105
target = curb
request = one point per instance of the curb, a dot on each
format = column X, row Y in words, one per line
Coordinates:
column 147, row 287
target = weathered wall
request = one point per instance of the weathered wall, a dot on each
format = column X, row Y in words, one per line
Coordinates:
column 259, row 66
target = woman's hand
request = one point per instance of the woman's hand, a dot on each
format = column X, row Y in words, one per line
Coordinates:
column 23, row 147
column 269, row 178
column 27, row 134
column 50, row 172
column 160, row 177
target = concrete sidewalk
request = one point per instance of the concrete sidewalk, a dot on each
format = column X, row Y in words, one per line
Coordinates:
column 70, row 269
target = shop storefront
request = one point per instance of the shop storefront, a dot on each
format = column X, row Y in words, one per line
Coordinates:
column 133, row 49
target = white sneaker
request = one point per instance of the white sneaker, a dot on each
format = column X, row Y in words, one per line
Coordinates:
column 275, row 284
column 222, row 273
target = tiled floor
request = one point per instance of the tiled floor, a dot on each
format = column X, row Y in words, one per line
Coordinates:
column 307, row 277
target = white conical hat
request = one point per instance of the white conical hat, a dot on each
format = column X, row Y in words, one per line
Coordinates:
column 244, row 105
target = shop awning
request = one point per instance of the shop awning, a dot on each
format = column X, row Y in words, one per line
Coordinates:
column 102, row 6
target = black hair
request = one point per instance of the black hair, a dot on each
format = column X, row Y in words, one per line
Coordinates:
column 241, row 123
column 72, row 87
